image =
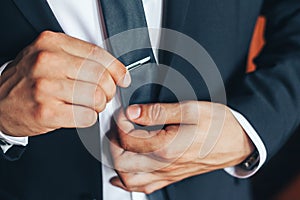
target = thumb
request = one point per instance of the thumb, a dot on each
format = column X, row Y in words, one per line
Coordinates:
column 164, row 113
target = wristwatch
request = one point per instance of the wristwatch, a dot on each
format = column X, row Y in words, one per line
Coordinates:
column 251, row 162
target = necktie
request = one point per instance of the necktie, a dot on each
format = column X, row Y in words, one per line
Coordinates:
column 120, row 17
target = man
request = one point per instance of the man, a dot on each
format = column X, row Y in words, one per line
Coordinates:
column 38, row 99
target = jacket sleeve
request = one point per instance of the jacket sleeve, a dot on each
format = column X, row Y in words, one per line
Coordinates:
column 270, row 97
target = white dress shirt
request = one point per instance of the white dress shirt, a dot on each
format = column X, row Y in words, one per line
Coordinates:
column 81, row 19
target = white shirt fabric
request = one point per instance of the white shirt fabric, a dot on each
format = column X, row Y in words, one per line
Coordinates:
column 81, row 19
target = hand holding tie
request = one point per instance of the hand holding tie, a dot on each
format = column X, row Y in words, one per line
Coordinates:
column 57, row 82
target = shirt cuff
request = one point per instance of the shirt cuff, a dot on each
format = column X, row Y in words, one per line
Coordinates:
column 237, row 171
column 8, row 141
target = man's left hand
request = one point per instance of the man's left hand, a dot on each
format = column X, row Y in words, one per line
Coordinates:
column 197, row 137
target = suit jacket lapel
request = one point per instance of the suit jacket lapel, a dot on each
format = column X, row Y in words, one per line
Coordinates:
column 39, row 14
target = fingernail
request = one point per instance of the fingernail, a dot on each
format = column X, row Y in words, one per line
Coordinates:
column 127, row 79
column 134, row 112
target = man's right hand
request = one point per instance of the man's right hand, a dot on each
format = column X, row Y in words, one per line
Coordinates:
column 57, row 82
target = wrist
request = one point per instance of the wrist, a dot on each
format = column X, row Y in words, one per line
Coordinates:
column 249, row 146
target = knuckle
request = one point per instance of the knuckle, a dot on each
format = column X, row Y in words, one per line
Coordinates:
column 95, row 51
column 39, row 87
column 124, row 143
column 27, row 51
column 98, row 72
column 117, row 69
column 43, row 113
column 111, row 93
column 100, row 100
column 190, row 107
column 166, row 154
column 121, row 68
column 41, row 84
column 118, row 165
column 45, row 36
column 101, row 73
column 89, row 118
column 93, row 48
column 129, row 182
column 108, row 86
column 57, row 86
column 130, row 188
column 156, row 110
column 147, row 190
column 42, row 58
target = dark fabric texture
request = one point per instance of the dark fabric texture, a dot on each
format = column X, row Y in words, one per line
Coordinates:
column 57, row 166
column 14, row 153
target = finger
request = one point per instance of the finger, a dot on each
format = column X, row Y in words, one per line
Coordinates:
column 125, row 126
column 94, row 73
column 58, row 41
column 162, row 113
column 90, row 70
column 76, row 68
column 83, row 117
column 116, row 181
column 141, row 141
column 8, row 81
column 129, row 162
column 123, row 122
column 64, row 65
column 147, row 189
column 167, row 145
column 92, row 52
column 62, row 115
column 83, row 49
column 138, row 179
column 73, row 46
column 113, row 140
column 72, row 92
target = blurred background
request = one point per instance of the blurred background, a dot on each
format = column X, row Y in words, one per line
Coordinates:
column 279, row 179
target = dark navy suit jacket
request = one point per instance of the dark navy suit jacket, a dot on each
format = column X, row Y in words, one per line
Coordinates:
column 57, row 165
